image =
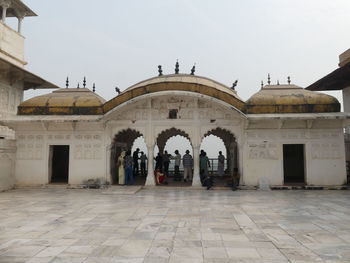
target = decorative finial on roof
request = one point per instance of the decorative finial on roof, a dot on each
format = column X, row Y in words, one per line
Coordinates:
column 289, row 80
column 117, row 90
column 278, row 82
column 78, row 86
column 177, row 67
column 93, row 88
column 268, row 79
column 234, row 84
column 84, row 82
column 262, row 84
column 67, row 83
column 193, row 69
column 160, row 71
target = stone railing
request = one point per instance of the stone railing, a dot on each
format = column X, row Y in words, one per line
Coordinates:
column 11, row 45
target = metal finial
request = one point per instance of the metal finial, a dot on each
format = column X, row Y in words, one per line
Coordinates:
column 193, row 69
column 84, row 82
column 67, row 83
column 268, row 79
column 177, row 66
column 234, row 84
column 289, row 80
column 117, row 90
column 160, row 71
column 78, row 86
column 278, row 82
column 93, row 88
column 262, row 84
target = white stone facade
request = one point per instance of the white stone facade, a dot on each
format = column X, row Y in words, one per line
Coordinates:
column 324, row 155
column 259, row 139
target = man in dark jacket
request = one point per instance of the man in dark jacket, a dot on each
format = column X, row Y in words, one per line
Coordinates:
column 135, row 157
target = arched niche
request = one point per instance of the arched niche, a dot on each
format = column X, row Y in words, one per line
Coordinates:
column 165, row 135
column 122, row 141
column 230, row 143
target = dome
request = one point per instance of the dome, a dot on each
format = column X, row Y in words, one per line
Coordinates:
column 179, row 82
column 78, row 101
column 290, row 99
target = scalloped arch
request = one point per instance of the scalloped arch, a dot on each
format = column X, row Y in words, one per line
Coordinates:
column 165, row 135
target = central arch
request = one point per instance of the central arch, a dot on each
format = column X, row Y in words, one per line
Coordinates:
column 165, row 135
column 161, row 141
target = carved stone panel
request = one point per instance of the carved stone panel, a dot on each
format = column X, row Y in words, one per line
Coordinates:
column 325, row 151
column 263, row 151
column 30, row 147
column 88, row 147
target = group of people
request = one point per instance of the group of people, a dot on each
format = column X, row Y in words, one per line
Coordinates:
column 128, row 167
column 163, row 162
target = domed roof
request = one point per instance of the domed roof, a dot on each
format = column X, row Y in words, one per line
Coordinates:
column 79, row 101
column 178, row 82
column 290, row 99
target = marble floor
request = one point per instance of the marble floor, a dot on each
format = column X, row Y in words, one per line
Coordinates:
column 172, row 225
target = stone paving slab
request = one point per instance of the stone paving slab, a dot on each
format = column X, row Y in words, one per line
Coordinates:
column 122, row 190
column 173, row 225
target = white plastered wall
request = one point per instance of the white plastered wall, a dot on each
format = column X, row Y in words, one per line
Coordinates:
column 324, row 155
column 87, row 154
column 7, row 164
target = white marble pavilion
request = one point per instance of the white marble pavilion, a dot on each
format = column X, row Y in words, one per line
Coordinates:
column 282, row 135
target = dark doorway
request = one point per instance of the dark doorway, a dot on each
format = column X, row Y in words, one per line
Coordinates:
column 293, row 163
column 59, row 163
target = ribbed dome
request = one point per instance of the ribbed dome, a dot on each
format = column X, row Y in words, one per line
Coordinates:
column 64, row 102
column 290, row 99
column 181, row 83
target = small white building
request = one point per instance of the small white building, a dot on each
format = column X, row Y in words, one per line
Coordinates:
column 283, row 134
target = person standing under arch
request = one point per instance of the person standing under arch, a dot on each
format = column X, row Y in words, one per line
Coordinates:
column 128, row 161
column 187, row 161
column 166, row 162
column 204, row 164
column 121, row 171
column 135, row 157
column 159, row 162
column 143, row 159
column 177, row 159
column 221, row 164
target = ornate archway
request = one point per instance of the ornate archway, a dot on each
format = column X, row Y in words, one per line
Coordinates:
column 230, row 143
column 165, row 135
column 123, row 140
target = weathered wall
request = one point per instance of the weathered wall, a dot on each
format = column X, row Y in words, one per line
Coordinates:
column 7, row 164
column 86, row 153
column 11, row 95
column 324, row 155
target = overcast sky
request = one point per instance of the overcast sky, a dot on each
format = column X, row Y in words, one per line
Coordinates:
column 118, row 42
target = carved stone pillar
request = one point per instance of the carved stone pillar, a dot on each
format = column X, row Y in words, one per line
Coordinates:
column 20, row 19
column 196, row 178
column 20, row 16
column 150, row 169
column 5, row 4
